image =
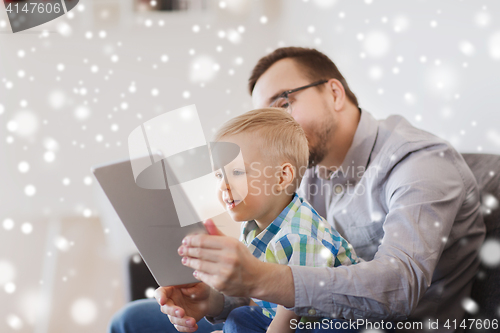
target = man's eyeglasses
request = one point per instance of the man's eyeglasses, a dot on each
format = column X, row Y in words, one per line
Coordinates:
column 282, row 101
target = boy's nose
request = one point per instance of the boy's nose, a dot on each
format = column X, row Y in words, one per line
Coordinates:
column 223, row 186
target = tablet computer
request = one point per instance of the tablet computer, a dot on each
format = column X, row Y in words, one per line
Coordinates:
column 150, row 217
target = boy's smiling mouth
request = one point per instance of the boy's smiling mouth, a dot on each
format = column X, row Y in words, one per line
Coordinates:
column 230, row 203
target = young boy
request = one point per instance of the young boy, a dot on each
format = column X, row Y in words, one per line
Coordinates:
column 280, row 227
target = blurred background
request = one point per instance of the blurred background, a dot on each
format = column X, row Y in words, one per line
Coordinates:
column 73, row 89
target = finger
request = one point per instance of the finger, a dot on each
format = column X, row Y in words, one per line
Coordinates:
column 209, row 279
column 194, row 288
column 205, row 241
column 201, row 265
column 196, row 275
column 212, row 228
column 172, row 310
column 196, row 292
column 162, row 294
column 187, row 285
column 181, row 328
column 187, row 324
column 200, row 253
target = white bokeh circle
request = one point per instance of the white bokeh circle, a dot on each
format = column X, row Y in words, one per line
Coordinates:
column 376, row 216
column 83, row 311
column 490, row 253
column 401, row 23
column 27, row 228
column 62, row 243
column 26, row 123
column 202, row 69
column 14, row 322
column 82, row 112
column 87, row 213
column 150, row 292
column 30, row 190
column 57, row 99
column 375, row 73
column 64, row 29
column 87, row 180
column 23, row 167
column 10, row 287
column 234, row 36
column 376, row 44
column 8, row 224
column 482, row 19
column 470, row 305
column 49, row 156
column 490, row 201
column 51, row 144
column 467, row 48
column 442, row 78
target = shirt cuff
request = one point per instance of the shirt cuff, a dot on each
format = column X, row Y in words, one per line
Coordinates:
column 313, row 292
column 230, row 303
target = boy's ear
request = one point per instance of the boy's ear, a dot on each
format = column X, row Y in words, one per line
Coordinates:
column 287, row 175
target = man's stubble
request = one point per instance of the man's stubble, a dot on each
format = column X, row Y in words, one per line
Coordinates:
column 320, row 139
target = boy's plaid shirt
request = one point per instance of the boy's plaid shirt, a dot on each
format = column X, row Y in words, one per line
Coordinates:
column 298, row 236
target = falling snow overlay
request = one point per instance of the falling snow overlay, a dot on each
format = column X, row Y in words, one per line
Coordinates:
column 72, row 90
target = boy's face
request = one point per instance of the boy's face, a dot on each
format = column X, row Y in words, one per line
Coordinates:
column 248, row 192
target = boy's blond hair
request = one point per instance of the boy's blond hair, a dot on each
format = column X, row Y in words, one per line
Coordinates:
column 282, row 138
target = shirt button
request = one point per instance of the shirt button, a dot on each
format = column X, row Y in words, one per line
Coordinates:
column 311, row 312
column 338, row 189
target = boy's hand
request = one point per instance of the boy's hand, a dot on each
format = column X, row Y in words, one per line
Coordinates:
column 186, row 305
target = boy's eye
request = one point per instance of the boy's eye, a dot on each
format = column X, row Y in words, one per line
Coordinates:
column 238, row 173
column 218, row 175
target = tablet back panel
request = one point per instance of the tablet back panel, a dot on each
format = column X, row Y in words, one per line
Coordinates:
column 150, row 217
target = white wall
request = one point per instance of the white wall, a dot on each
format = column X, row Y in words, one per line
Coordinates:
column 456, row 86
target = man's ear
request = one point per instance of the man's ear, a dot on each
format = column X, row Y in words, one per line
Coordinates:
column 286, row 175
column 338, row 94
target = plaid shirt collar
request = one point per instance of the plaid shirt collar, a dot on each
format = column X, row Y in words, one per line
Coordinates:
column 259, row 244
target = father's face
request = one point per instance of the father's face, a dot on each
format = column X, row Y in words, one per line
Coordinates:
column 311, row 107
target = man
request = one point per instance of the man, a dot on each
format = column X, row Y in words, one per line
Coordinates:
column 404, row 199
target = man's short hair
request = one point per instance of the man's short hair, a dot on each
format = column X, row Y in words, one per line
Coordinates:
column 282, row 139
column 315, row 66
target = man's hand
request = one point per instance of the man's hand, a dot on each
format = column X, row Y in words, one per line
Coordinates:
column 223, row 263
column 186, row 305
